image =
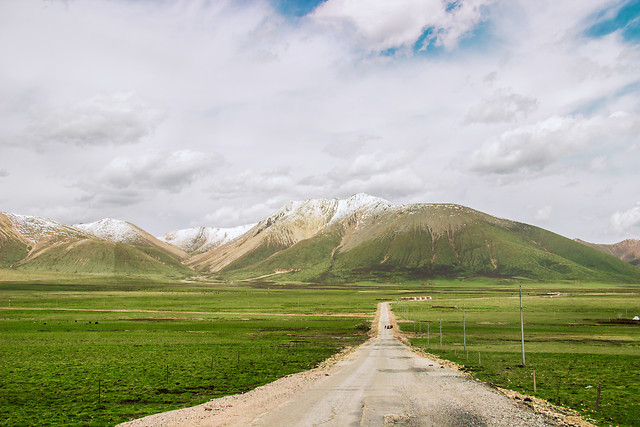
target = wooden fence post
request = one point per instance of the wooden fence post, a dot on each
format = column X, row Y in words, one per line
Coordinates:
column 534, row 381
column 598, row 398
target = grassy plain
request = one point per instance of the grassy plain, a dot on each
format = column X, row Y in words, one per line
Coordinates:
column 155, row 345
column 573, row 341
column 101, row 350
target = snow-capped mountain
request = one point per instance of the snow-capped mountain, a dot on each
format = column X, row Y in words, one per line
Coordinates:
column 105, row 247
column 114, row 230
column 365, row 236
column 353, row 221
column 358, row 238
column 201, row 239
column 299, row 220
column 38, row 230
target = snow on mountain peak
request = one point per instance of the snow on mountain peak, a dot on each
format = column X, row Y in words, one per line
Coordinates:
column 321, row 212
column 361, row 202
column 111, row 229
column 202, row 239
column 37, row 228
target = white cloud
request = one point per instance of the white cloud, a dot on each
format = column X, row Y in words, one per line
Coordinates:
column 534, row 148
column 381, row 24
column 159, row 170
column 130, row 180
column 228, row 216
column 308, row 107
column 379, row 162
column 544, row 213
column 627, row 222
column 384, row 174
column 390, row 184
column 4, row 173
column 502, row 106
column 267, row 182
column 117, row 119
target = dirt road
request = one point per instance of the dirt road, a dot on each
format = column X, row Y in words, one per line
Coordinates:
column 382, row 383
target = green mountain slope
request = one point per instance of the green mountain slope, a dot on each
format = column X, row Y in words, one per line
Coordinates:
column 421, row 241
column 103, row 257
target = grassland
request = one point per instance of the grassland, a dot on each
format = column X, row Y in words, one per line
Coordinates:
column 574, row 341
column 94, row 350
column 153, row 345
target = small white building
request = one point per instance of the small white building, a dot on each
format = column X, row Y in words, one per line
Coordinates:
column 423, row 298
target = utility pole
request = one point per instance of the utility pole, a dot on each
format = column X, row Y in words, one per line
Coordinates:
column 464, row 330
column 521, row 325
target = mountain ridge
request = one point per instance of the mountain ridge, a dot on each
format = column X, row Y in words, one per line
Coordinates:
column 627, row 250
column 375, row 238
column 119, row 231
column 41, row 244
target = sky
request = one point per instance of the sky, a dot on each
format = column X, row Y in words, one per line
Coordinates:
column 173, row 114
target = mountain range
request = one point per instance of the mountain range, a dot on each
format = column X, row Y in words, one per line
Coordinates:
column 105, row 247
column 328, row 240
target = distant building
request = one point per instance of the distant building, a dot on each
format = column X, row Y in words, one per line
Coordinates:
column 415, row 298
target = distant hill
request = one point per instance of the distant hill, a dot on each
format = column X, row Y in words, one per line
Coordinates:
column 35, row 243
column 627, row 250
column 119, row 231
column 364, row 237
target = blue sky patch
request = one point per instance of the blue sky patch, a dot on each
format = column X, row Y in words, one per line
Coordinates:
column 452, row 5
column 625, row 19
column 599, row 105
column 480, row 39
column 296, row 8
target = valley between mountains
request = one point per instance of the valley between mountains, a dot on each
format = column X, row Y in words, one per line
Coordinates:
column 324, row 240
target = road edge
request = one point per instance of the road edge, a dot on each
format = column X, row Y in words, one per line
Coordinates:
column 562, row 415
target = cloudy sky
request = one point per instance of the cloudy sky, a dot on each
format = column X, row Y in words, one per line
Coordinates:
column 172, row 114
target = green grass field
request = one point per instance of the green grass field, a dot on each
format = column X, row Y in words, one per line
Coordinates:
column 573, row 342
column 153, row 345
